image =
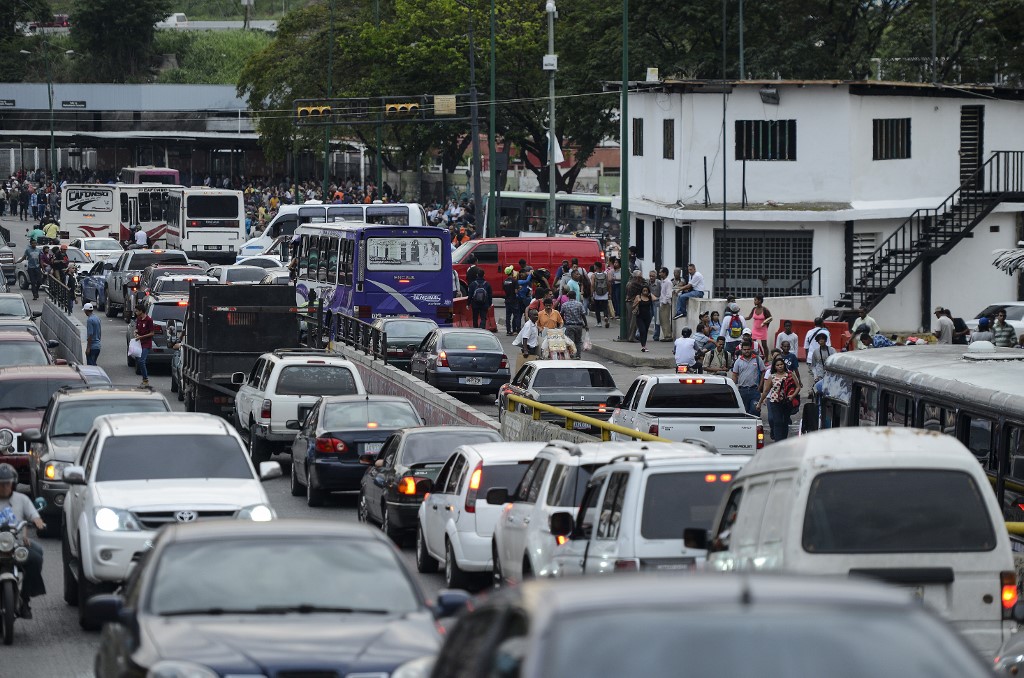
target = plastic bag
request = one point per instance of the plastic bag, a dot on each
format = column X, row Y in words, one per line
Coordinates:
column 586, row 340
column 135, row 348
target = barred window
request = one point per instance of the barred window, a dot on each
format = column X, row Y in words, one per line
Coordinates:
column 668, row 139
column 766, row 139
column 890, row 139
column 772, row 263
column 638, row 136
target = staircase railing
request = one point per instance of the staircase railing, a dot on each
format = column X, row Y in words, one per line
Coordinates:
column 805, row 285
column 1002, row 173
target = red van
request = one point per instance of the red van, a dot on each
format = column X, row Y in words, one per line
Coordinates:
column 494, row 254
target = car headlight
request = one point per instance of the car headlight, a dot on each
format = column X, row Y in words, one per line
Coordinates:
column 54, row 470
column 6, row 437
column 259, row 513
column 178, row 669
column 7, row 541
column 115, row 520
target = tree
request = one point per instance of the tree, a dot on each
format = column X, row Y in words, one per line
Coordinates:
column 12, row 40
column 116, row 37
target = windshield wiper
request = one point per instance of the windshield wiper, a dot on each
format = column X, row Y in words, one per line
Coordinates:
column 306, row 608
column 79, row 434
column 8, row 408
column 212, row 611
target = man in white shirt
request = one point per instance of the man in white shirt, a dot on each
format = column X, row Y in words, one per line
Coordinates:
column 527, row 339
column 685, row 349
column 141, row 239
column 665, row 305
column 864, row 319
column 945, row 323
column 787, row 334
column 694, row 287
column 813, row 333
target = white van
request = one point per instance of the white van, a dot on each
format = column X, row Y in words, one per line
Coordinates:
column 289, row 217
column 907, row 506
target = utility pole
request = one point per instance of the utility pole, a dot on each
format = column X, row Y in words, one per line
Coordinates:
column 551, row 66
column 330, row 83
column 380, row 168
column 624, row 174
column 742, row 69
column 475, row 123
column 490, row 226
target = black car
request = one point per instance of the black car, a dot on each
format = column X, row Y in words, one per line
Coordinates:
column 703, row 625
column 328, row 453
column 403, row 336
column 148, row 279
column 279, row 598
column 461, row 359
column 582, row 386
column 389, row 494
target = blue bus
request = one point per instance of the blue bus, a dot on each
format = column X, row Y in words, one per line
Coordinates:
column 370, row 270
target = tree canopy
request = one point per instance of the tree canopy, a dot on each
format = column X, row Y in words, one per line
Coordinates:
column 117, row 37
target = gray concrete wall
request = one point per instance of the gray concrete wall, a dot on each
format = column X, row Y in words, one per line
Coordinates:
column 436, row 408
column 66, row 329
column 519, row 426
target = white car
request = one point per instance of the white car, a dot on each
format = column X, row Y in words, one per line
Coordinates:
column 263, row 261
column 1014, row 316
column 97, row 249
column 136, row 473
column 523, row 544
column 237, row 274
column 456, row 523
column 282, row 386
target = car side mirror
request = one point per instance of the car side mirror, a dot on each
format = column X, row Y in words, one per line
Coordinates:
column 105, row 608
column 696, row 538
column 412, row 348
column 60, row 361
column 52, row 343
column 270, row 470
column 293, row 425
column 450, row 602
column 238, row 378
column 32, row 435
column 561, row 524
column 36, row 314
column 614, row 401
column 74, row 475
column 497, row 496
column 367, row 459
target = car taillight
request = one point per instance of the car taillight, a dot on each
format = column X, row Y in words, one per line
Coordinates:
column 265, row 409
column 627, row 565
column 1008, row 592
column 442, row 359
column 561, row 539
column 653, row 430
column 330, row 446
column 504, row 362
column 760, row 436
column 135, row 278
column 407, row 486
column 474, row 487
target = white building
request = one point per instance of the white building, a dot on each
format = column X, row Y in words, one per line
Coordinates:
column 829, row 171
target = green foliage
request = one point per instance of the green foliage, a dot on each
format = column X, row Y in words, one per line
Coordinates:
column 117, row 36
column 208, row 57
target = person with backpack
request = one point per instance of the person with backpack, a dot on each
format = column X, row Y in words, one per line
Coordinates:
column 812, row 336
column 733, row 325
column 600, row 283
column 513, row 314
column 480, row 298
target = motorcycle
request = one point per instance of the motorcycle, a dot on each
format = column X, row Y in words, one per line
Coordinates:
column 13, row 555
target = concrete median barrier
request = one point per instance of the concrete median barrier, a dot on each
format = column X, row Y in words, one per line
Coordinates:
column 519, row 426
column 66, row 329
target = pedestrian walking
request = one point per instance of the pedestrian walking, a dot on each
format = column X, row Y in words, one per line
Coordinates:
column 665, row 305
column 643, row 312
column 616, row 278
column 481, row 296
column 732, row 327
column 748, row 371
column 812, row 335
column 574, row 315
column 779, row 387
column 93, row 332
column 654, row 282
column 760, row 318
column 601, row 285
column 513, row 314
column 144, row 331
column 633, row 289
column 33, row 262
column 944, row 333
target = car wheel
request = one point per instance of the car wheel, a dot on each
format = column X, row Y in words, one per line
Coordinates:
column 85, row 592
column 425, row 564
column 22, row 281
column 70, row 583
column 497, row 577
column 111, row 311
column 393, row 534
column 259, row 450
column 454, row 577
column 293, row 483
column 314, row 497
column 363, row 509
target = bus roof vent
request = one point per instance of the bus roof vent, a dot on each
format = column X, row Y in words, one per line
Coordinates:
column 986, row 350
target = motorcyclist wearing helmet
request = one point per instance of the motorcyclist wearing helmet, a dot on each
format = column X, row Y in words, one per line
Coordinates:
column 14, row 508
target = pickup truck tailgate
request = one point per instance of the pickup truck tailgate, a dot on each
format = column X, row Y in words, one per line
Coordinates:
column 728, row 434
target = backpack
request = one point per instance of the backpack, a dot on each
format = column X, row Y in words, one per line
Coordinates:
column 480, row 294
column 601, row 284
column 509, row 287
column 735, row 327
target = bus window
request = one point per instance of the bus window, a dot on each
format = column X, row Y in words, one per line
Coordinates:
column 899, row 410
column 1015, row 441
column 510, row 219
column 339, row 214
column 332, row 261
column 328, row 246
column 536, row 216
column 312, row 215
column 866, row 402
column 144, row 211
column 832, row 412
column 976, row 434
column 124, row 209
column 938, row 418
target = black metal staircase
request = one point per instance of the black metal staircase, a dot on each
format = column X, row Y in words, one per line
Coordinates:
column 930, row 233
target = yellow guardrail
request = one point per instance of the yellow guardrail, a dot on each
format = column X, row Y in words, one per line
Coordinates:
column 569, row 416
column 1015, row 527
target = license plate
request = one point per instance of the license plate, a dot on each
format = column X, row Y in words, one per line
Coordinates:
column 372, row 448
column 474, row 381
column 581, row 426
column 211, row 247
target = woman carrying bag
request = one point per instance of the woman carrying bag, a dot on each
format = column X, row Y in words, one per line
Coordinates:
column 643, row 308
column 781, row 388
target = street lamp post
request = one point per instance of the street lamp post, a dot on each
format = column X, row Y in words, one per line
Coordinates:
column 492, row 204
column 474, row 114
column 624, row 172
column 551, row 66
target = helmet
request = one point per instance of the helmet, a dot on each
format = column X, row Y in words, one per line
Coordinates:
column 8, row 474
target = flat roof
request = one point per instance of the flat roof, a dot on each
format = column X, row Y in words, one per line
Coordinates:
column 856, row 87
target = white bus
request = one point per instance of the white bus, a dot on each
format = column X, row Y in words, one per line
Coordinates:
column 207, row 223
column 149, row 174
column 109, row 210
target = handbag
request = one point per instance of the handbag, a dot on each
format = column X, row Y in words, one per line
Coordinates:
column 135, row 348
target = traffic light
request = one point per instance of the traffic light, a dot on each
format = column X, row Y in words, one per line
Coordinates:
column 311, row 113
column 402, row 109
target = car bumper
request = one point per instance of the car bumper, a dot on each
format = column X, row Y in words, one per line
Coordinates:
column 159, row 355
column 336, row 476
column 108, row 555
column 54, row 494
column 8, row 270
column 265, row 432
column 460, row 381
column 473, row 552
column 404, row 515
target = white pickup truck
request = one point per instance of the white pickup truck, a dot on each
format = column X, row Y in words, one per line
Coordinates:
column 689, row 407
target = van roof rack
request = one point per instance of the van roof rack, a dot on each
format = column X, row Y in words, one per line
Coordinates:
column 279, row 352
column 631, row 456
column 569, row 446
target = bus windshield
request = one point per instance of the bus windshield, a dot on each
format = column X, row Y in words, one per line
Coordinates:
column 403, row 254
column 212, row 207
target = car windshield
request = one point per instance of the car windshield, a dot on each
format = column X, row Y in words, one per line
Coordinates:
column 461, row 251
column 470, row 341
column 407, row 329
column 76, row 418
column 165, row 286
column 28, row 352
column 674, row 395
column 502, row 475
column 896, row 511
column 357, row 414
column 728, row 640
column 15, row 306
column 77, row 256
column 253, row 274
column 244, row 576
column 102, row 244
column 164, row 312
column 434, row 447
column 316, row 380
column 168, row 457
column 1012, row 312
column 30, row 394
column 675, row 501
column 580, row 377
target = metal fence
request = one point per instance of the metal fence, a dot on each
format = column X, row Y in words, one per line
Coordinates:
column 319, row 329
column 59, row 293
